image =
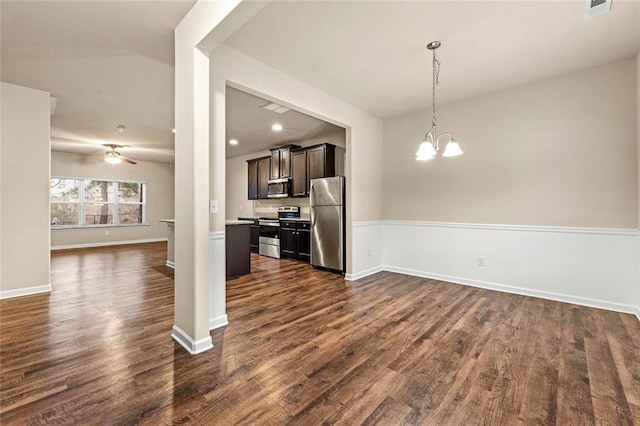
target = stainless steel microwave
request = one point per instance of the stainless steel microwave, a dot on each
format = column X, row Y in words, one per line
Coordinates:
column 278, row 188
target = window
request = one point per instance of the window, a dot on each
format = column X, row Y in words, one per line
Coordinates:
column 91, row 202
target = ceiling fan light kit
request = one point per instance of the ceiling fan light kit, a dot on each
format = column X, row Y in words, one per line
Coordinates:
column 114, row 157
column 430, row 145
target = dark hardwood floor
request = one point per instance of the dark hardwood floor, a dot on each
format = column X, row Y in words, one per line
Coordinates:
column 306, row 347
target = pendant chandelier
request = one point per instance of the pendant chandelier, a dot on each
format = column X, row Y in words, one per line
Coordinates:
column 431, row 143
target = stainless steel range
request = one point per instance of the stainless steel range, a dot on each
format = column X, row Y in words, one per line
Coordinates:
column 270, row 230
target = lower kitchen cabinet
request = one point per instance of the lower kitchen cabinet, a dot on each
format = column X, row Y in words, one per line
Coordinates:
column 255, row 234
column 295, row 240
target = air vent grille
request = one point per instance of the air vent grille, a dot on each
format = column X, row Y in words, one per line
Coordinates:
column 596, row 7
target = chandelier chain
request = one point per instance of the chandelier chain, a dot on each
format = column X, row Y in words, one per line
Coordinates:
column 436, row 76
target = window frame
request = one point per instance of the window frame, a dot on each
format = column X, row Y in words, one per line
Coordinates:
column 82, row 203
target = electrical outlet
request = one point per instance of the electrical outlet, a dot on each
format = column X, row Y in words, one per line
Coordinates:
column 480, row 261
column 106, row 232
column 213, row 206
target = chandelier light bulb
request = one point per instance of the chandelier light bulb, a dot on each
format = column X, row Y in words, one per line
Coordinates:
column 452, row 149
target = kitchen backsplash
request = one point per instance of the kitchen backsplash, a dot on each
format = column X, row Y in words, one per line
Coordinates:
column 270, row 207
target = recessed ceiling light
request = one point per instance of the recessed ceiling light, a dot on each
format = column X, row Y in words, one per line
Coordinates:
column 233, row 142
column 276, row 127
column 120, row 128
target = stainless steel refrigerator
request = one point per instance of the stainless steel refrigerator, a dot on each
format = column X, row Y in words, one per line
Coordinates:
column 326, row 199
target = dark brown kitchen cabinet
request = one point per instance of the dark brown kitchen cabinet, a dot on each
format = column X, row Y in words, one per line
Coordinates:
column 287, row 239
column 238, row 257
column 281, row 162
column 264, row 164
column 300, row 165
column 255, row 233
column 304, row 241
column 258, row 178
column 299, row 173
column 314, row 162
column 255, row 237
column 295, row 240
column 252, row 179
column 321, row 161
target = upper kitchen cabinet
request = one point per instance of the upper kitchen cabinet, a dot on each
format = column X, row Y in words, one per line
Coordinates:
column 264, row 165
column 320, row 163
column 299, row 173
column 252, row 179
column 299, row 165
column 258, row 177
column 281, row 162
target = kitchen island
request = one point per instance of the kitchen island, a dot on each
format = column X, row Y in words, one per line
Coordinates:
column 238, row 242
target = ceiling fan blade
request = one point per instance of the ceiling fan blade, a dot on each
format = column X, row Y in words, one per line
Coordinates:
column 128, row 160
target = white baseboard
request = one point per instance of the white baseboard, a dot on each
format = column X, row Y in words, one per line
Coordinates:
column 27, row 291
column 107, row 243
column 558, row 297
column 170, row 264
column 218, row 322
column 362, row 274
column 638, row 313
column 193, row 347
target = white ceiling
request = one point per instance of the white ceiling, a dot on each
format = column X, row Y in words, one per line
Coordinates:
column 107, row 62
column 111, row 62
column 373, row 54
column 250, row 124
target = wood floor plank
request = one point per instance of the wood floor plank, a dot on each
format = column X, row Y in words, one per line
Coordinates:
column 305, row 347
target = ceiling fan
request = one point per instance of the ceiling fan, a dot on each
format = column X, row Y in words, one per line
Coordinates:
column 114, row 157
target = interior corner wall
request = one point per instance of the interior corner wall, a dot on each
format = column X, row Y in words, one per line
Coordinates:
column 24, row 190
column 544, row 200
column 160, row 199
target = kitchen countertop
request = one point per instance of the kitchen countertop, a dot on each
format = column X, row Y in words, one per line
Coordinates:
column 238, row 222
column 298, row 219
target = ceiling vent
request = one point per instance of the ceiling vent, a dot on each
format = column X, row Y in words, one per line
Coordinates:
column 596, row 7
column 272, row 106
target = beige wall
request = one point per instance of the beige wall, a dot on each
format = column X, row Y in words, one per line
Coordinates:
column 24, row 188
column 160, row 193
column 638, row 163
column 559, row 152
column 237, row 204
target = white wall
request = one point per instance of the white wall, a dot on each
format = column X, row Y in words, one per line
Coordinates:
column 160, row 196
column 589, row 266
column 237, row 204
column 545, row 195
column 24, row 191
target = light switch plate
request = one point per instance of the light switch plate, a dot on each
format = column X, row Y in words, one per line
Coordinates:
column 213, row 206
